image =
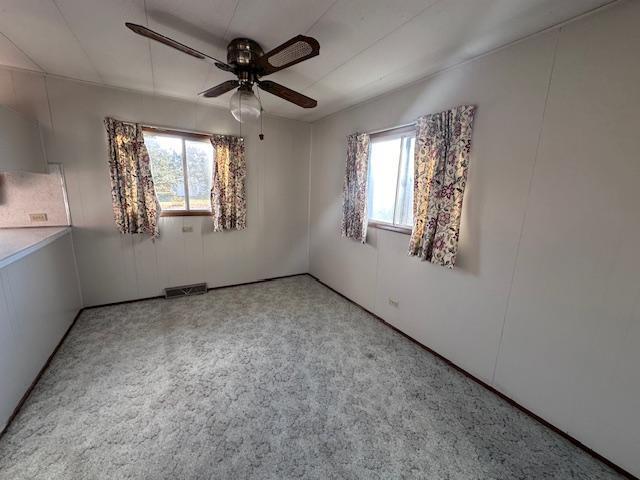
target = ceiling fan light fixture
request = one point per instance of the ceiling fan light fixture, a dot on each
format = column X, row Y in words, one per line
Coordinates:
column 244, row 105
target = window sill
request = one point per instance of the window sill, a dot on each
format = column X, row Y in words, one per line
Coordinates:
column 184, row 213
column 391, row 228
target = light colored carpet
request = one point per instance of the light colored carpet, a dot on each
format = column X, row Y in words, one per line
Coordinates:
column 277, row 380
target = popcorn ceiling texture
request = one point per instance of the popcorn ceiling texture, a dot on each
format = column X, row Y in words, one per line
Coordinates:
column 276, row 380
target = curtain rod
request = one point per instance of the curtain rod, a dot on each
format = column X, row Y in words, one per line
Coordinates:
column 177, row 130
column 172, row 129
column 382, row 130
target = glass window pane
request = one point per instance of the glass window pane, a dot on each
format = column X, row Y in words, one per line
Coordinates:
column 404, row 205
column 199, row 172
column 165, row 153
column 383, row 175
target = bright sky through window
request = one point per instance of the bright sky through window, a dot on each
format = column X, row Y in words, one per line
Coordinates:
column 390, row 187
column 182, row 171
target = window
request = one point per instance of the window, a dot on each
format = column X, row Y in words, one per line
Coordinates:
column 182, row 167
column 390, row 187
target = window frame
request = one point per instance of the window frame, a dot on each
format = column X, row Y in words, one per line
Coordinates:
column 388, row 134
column 183, row 135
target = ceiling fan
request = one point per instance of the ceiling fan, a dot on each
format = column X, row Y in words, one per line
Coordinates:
column 246, row 60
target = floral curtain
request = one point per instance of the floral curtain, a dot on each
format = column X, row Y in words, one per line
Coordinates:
column 354, row 202
column 135, row 207
column 228, row 196
column 443, row 142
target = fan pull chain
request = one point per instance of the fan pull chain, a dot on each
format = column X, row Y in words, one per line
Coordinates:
column 261, row 135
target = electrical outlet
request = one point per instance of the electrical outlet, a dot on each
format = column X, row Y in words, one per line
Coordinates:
column 394, row 303
column 187, row 229
column 38, row 217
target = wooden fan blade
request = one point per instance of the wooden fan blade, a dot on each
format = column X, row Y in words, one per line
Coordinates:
column 292, row 51
column 158, row 37
column 288, row 94
column 218, row 90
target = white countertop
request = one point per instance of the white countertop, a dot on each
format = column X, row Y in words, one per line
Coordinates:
column 15, row 243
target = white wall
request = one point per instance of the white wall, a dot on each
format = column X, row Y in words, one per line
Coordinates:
column 545, row 301
column 116, row 267
column 20, row 143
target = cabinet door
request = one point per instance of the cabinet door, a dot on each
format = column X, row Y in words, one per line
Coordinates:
column 42, row 299
column 20, row 143
column 11, row 388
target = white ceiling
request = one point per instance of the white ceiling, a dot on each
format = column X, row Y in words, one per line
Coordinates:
column 367, row 47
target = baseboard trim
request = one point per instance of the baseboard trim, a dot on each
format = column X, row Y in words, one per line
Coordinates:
column 220, row 287
column 492, row 389
column 123, row 302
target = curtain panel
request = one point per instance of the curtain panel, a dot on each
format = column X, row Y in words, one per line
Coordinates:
column 228, row 195
column 135, row 208
column 443, row 143
column 354, row 202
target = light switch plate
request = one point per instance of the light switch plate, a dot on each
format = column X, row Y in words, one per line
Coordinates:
column 38, row 217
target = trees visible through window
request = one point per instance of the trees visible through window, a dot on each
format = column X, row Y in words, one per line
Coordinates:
column 182, row 168
column 390, row 186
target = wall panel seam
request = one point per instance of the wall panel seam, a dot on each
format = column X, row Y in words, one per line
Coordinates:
column 526, row 204
column 310, row 149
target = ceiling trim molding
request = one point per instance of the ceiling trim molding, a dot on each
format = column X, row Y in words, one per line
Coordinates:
column 558, row 26
column 23, row 53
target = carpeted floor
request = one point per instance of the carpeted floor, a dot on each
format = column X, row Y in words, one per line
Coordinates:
column 277, row 380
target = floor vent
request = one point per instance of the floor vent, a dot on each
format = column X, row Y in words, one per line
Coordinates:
column 185, row 290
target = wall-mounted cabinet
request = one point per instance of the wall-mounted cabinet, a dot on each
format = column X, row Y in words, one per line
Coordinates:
column 20, row 143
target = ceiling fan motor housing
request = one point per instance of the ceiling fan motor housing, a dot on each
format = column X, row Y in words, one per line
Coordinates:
column 243, row 54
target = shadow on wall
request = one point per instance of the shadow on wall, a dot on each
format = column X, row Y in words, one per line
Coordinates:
column 3, row 190
column 468, row 259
